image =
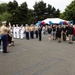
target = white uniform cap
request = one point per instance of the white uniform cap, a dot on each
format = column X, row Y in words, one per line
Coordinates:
column 3, row 22
column 26, row 24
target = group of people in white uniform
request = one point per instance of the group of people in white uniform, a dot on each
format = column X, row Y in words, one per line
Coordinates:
column 18, row 31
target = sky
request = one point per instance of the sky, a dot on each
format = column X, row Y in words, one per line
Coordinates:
column 58, row 4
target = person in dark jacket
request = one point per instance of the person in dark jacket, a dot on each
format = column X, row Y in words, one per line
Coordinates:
column 64, row 29
column 70, row 31
column 40, row 33
column 54, row 32
column 58, row 32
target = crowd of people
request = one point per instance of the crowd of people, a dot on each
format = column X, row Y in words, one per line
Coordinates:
column 54, row 32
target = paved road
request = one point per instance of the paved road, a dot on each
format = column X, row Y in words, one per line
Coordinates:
column 33, row 57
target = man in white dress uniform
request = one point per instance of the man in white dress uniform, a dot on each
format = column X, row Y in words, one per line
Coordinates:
column 18, row 31
column 22, row 35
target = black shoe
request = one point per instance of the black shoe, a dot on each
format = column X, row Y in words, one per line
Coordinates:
column 6, row 52
column 59, row 41
column 70, row 43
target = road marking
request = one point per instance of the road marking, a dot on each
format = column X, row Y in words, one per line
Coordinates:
column 57, row 61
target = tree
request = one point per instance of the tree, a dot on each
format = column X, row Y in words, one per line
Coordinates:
column 5, row 17
column 70, row 11
column 40, row 9
column 12, row 6
column 57, row 13
column 42, row 12
column 31, row 16
column 48, row 11
column 22, row 15
column 3, row 8
column 23, row 10
column 62, row 15
column 19, row 13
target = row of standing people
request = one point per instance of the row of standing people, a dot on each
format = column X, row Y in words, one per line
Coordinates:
column 26, row 32
column 53, row 31
column 62, row 31
column 58, row 31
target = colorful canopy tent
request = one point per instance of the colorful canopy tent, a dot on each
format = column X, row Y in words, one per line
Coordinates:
column 65, row 23
column 42, row 23
column 50, row 23
column 71, row 22
column 39, row 23
column 55, row 21
column 61, row 23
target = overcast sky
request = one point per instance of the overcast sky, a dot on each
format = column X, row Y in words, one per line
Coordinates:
column 58, row 4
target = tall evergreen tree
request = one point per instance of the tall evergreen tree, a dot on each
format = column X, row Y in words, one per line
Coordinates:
column 40, row 9
column 23, row 11
column 12, row 6
column 69, row 13
column 3, row 8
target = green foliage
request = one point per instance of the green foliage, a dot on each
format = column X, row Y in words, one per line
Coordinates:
column 5, row 17
column 23, row 12
column 12, row 7
column 42, row 12
column 31, row 16
column 3, row 7
column 22, row 15
column 19, row 15
column 62, row 15
column 69, row 13
column 52, row 12
column 57, row 13
column 40, row 9
column 0, row 19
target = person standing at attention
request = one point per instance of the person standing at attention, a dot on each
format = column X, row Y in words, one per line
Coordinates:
column 36, row 31
column 27, row 29
column 49, row 33
column 40, row 33
column 4, row 31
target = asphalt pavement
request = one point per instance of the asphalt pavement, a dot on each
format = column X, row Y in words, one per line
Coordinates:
column 34, row 57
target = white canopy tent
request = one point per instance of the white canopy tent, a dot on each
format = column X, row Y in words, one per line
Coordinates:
column 54, row 20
